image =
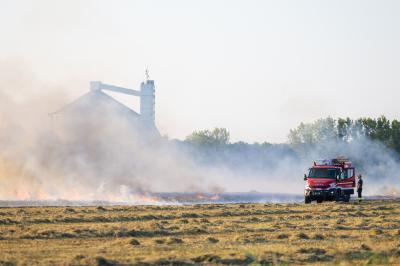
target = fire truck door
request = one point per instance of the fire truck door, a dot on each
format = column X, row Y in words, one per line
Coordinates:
column 346, row 178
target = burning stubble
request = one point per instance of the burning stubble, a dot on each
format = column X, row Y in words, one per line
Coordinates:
column 101, row 154
column 97, row 155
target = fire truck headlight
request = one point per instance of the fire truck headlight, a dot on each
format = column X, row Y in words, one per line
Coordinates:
column 332, row 185
column 307, row 186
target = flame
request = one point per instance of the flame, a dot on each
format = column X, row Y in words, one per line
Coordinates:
column 202, row 196
column 215, row 197
column 146, row 198
column 17, row 183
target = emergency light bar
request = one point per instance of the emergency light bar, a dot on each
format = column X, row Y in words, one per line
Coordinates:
column 342, row 161
column 323, row 162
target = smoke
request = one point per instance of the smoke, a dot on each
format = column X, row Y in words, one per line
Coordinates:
column 72, row 159
column 94, row 150
column 101, row 152
column 378, row 164
column 279, row 168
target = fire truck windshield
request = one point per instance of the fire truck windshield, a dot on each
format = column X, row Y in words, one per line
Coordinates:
column 323, row 173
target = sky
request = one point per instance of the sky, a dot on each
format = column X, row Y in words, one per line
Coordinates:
column 257, row 68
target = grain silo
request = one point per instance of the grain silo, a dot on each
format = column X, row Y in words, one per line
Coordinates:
column 101, row 110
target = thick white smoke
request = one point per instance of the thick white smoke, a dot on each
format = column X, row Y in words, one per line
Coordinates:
column 99, row 155
column 378, row 164
column 86, row 157
column 103, row 155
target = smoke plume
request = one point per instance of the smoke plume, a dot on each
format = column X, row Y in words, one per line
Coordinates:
column 103, row 154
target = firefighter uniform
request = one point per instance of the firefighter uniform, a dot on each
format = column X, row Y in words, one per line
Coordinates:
column 359, row 186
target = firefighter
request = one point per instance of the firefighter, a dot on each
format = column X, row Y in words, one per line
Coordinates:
column 359, row 186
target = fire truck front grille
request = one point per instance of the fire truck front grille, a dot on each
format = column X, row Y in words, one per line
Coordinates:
column 323, row 187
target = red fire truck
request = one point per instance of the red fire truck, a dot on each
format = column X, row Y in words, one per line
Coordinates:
column 330, row 179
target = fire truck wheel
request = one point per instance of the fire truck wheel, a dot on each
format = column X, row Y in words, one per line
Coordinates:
column 346, row 198
column 319, row 200
column 338, row 196
column 307, row 200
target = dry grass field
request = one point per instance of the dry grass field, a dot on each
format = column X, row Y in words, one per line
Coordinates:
column 357, row 233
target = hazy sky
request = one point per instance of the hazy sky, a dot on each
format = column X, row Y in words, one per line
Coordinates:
column 257, row 68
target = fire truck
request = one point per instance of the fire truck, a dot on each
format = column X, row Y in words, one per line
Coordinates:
column 330, row 180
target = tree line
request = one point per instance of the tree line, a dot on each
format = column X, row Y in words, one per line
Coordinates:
column 214, row 147
column 347, row 130
column 216, row 143
column 373, row 144
column 325, row 129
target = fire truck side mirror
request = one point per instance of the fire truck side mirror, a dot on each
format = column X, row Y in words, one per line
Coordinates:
column 305, row 177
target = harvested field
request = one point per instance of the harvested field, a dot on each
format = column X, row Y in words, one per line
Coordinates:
column 357, row 233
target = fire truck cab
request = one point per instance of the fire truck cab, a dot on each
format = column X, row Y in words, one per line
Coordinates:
column 330, row 179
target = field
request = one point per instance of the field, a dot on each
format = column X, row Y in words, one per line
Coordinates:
column 357, row 233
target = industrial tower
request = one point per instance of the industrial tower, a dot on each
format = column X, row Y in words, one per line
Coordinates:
column 146, row 94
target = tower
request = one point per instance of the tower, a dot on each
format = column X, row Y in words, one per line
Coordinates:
column 147, row 102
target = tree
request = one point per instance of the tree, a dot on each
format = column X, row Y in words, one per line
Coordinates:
column 369, row 127
column 325, row 129
column 383, row 129
column 321, row 130
column 395, row 135
column 344, row 128
column 216, row 138
column 303, row 134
